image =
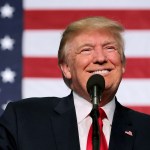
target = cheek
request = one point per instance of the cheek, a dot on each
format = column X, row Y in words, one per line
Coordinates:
column 115, row 59
column 82, row 62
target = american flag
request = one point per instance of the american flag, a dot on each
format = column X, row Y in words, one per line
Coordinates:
column 30, row 32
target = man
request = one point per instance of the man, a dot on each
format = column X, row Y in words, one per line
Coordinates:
column 88, row 46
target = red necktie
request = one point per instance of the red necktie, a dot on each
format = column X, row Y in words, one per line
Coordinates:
column 103, row 144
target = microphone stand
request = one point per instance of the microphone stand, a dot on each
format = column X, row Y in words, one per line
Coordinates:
column 95, row 133
column 95, row 114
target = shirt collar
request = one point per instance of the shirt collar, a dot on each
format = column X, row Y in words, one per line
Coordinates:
column 80, row 104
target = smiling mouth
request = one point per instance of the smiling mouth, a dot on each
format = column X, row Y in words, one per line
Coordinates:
column 101, row 72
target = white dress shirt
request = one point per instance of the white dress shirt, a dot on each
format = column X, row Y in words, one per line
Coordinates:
column 83, row 109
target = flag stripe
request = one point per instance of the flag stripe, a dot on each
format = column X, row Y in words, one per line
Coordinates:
column 56, row 19
column 41, row 43
column 45, row 43
column 134, row 92
column 48, row 67
column 43, row 87
column 84, row 4
column 137, row 68
column 41, row 67
column 56, row 87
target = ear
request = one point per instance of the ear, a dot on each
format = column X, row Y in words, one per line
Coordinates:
column 66, row 70
column 123, row 69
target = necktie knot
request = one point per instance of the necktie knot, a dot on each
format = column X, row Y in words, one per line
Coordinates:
column 100, row 113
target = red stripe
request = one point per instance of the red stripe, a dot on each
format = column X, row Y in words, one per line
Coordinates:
column 59, row 19
column 143, row 109
column 47, row 67
column 41, row 67
column 137, row 68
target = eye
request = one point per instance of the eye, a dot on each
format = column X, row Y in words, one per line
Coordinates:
column 110, row 48
column 86, row 51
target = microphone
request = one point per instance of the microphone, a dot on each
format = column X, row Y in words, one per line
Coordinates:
column 95, row 87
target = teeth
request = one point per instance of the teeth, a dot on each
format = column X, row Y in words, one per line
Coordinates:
column 102, row 72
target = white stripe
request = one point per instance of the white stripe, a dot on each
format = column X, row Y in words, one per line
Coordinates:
column 86, row 4
column 137, row 43
column 45, row 43
column 134, row 92
column 38, row 43
column 131, row 92
column 42, row 87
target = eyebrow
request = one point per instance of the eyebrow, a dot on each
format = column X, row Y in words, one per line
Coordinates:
column 86, row 44
column 92, row 45
column 110, row 42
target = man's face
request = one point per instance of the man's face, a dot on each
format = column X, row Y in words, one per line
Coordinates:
column 93, row 52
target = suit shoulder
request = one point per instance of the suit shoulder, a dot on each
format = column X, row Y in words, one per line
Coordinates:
column 130, row 113
column 35, row 101
column 139, row 118
column 34, row 104
column 139, row 114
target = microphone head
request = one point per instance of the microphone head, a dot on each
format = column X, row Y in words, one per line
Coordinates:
column 95, row 80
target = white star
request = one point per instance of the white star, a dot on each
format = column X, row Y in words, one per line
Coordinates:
column 7, row 11
column 7, row 43
column 8, row 75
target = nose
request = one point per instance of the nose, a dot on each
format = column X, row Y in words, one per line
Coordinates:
column 99, row 56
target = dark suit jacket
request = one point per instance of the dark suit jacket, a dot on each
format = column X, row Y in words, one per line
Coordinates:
column 50, row 124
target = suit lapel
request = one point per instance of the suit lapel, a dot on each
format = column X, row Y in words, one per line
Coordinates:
column 122, row 133
column 64, row 125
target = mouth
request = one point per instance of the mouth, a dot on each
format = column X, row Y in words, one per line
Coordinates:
column 103, row 72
